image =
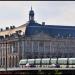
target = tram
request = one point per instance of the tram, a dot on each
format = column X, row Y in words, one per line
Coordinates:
column 48, row 62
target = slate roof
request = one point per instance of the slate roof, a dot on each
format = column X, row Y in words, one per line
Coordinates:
column 34, row 28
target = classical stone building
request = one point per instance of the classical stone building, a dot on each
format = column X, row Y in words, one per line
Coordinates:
column 34, row 40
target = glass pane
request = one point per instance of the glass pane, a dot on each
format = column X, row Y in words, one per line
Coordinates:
column 72, row 61
column 35, row 46
column 31, row 61
column 45, row 61
column 23, row 61
column 53, row 61
column 62, row 61
column 37, row 61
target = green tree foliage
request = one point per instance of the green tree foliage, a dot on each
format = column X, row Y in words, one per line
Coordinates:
column 57, row 72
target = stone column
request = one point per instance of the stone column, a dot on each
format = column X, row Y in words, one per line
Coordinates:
column 32, row 52
column 44, row 48
column 23, row 47
column 18, row 53
column 38, row 49
column 2, row 54
column 50, row 47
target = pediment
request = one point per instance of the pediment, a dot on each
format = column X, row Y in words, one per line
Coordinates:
column 41, row 35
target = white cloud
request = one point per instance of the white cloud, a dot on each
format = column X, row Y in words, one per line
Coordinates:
column 52, row 12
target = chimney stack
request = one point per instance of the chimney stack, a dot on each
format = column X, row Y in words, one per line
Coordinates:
column 43, row 23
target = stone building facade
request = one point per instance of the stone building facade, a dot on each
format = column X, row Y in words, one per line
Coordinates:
column 34, row 40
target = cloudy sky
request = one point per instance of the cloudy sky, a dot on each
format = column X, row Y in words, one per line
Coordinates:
column 51, row 12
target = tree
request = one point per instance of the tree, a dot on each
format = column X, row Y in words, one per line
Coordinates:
column 57, row 72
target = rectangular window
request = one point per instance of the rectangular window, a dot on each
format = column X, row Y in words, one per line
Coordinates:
column 35, row 46
column 47, row 47
column 3, row 61
column 41, row 46
column 4, row 50
column 10, row 61
column 13, row 47
column 28, row 46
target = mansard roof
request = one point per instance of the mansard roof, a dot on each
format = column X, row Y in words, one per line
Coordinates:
column 51, row 30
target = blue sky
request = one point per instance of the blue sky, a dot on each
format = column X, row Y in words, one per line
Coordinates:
column 51, row 12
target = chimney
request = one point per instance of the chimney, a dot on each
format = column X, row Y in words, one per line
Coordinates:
column 7, row 28
column 43, row 23
column 11, row 27
column 1, row 29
